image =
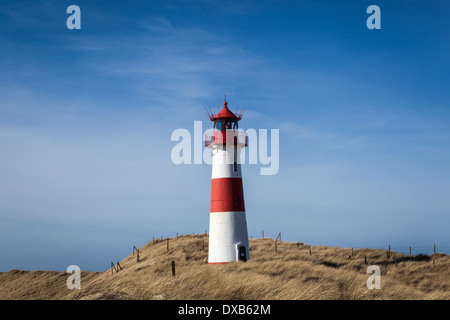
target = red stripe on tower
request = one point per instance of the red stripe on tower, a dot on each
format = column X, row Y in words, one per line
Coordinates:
column 227, row 194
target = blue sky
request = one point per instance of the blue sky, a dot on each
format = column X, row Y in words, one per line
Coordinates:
column 86, row 117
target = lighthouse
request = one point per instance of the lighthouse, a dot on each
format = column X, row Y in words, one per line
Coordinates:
column 228, row 236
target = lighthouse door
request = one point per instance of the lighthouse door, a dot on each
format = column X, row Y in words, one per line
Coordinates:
column 242, row 253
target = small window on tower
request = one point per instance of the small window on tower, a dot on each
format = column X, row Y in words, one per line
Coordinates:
column 235, row 159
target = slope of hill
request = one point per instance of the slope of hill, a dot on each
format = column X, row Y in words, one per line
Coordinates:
column 289, row 272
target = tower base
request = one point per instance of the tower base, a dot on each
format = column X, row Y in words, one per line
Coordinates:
column 228, row 237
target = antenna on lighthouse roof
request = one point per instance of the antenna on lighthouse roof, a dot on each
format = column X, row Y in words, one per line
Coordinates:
column 209, row 112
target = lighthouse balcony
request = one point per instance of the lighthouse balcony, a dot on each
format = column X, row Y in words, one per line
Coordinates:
column 239, row 138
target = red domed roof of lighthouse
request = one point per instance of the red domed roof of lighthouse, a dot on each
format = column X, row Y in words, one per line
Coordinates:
column 225, row 113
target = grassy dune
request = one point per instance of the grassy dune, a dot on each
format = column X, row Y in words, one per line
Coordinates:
column 290, row 273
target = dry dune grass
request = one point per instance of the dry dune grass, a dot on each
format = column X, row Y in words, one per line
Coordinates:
column 290, row 273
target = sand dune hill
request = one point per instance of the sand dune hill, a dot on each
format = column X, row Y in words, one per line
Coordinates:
column 288, row 273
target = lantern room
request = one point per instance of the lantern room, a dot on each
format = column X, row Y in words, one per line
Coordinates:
column 225, row 122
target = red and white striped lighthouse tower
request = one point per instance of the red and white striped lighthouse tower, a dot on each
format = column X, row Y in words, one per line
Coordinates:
column 228, row 236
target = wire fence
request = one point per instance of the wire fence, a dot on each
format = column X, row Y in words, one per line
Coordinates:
column 176, row 235
column 412, row 250
column 407, row 251
column 425, row 250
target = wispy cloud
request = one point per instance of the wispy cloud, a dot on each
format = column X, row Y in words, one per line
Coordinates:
column 29, row 14
column 174, row 67
column 300, row 132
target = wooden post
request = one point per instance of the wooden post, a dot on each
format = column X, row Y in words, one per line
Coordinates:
column 167, row 244
column 434, row 255
column 276, row 246
column 389, row 252
column 177, row 235
column 137, row 251
column 173, row 268
column 410, row 251
column 309, row 249
column 203, row 245
column 365, row 260
column 153, row 241
column 263, row 234
column 352, row 251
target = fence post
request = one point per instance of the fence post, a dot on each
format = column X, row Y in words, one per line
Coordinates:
column 137, row 251
column 389, row 252
column 309, row 249
column 365, row 260
column 173, row 268
column 434, row 255
column 203, row 245
column 167, row 244
column 410, row 251
column 263, row 234
column 177, row 235
column 352, row 251
column 276, row 246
